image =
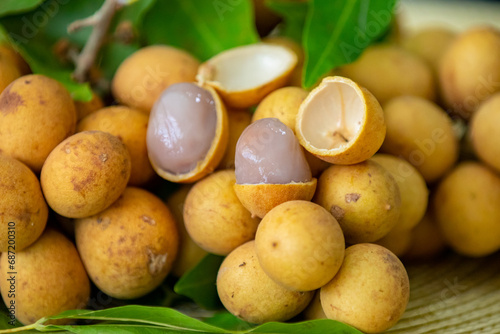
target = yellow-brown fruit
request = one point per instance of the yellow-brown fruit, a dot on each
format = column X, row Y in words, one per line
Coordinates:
column 23, row 211
column 484, row 135
column 430, row 44
column 422, row 133
column 129, row 248
column 247, row 292
column 314, row 310
column 238, row 120
column 426, row 240
column 8, row 71
column 300, row 245
column 15, row 58
column 189, row 253
column 50, row 278
column 364, row 199
column 466, row 208
column 388, row 71
column 130, row 126
column 371, row 290
column 85, row 174
column 140, row 79
column 412, row 187
column 36, row 114
column 88, row 107
column 340, row 122
column 469, row 71
column 215, row 218
column 397, row 241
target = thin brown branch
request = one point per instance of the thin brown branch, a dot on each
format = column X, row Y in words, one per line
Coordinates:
column 99, row 22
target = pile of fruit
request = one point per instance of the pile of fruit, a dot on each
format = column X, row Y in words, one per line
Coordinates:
column 316, row 198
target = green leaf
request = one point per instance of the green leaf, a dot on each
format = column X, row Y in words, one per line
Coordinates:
column 320, row 326
column 204, row 28
column 17, row 6
column 336, row 32
column 228, row 321
column 199, row 283
column 294, row 16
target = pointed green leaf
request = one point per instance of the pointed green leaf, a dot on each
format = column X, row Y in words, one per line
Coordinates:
column 320, row 326
column 201, row 27
column 294, row 16
column 337, row 31
column 228, row 321
column 199, row 283
column 8, row 7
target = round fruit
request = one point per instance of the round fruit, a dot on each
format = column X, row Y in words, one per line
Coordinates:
column 130, row 126
column 426, row 240
column 238, row 120
column 470, row 70
column 466, row 208
column 8, row 52
column 129, row 248
column 189, row 253
column 371, row 290
column 397, row 241
column 214, row 217
column 36, row 114
column 300, row 245
column 340, row 122
column 85, row 174
column 270, row 167
column 412, row 187
column 422, row 133
column 244, row 75
column 247, row 292
column 187, row 132
column 84, row 109
column 50, row 278
column 141, row 78
column 430, row 44
column 314, row 310
column 364, row 199
column 23, row 211
column 483, row 132
column 8, row 71
column 389, row 71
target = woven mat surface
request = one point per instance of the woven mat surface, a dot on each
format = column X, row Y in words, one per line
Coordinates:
column 453, row 294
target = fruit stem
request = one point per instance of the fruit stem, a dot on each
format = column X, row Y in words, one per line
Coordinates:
column 99, row 22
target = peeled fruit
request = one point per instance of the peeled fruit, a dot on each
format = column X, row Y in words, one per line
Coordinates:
column 130, row 126
column 50, row 279
column 36, row 114
column 129, row 248
column 141, row 78
column 23, row 211
column 370, row 291
column 388, row 71
column 189, row 253
column 470, row 70
column 187, row 132
column 483, row 132
column 300, row 245
column 466, row 208
column 85, row 174
column 340, row 122
column 430, row 44
column 247, row 292
column 364, row 199
column 238, row 120
column 270, row 167
column 412, row 187
column 244, row 75
column 422, row 133
column 214, row 217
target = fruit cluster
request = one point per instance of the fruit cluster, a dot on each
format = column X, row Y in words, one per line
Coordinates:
column 368, row 159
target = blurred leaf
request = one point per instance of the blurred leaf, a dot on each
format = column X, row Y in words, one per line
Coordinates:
column 320, row 326
column 228, row 321
column 204, row 28
column 199, row 283
column 336, row 32
column 294, row 16
column 8, row 7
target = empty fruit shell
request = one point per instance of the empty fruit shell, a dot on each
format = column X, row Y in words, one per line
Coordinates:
column 244, row 75
column 340, row 122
